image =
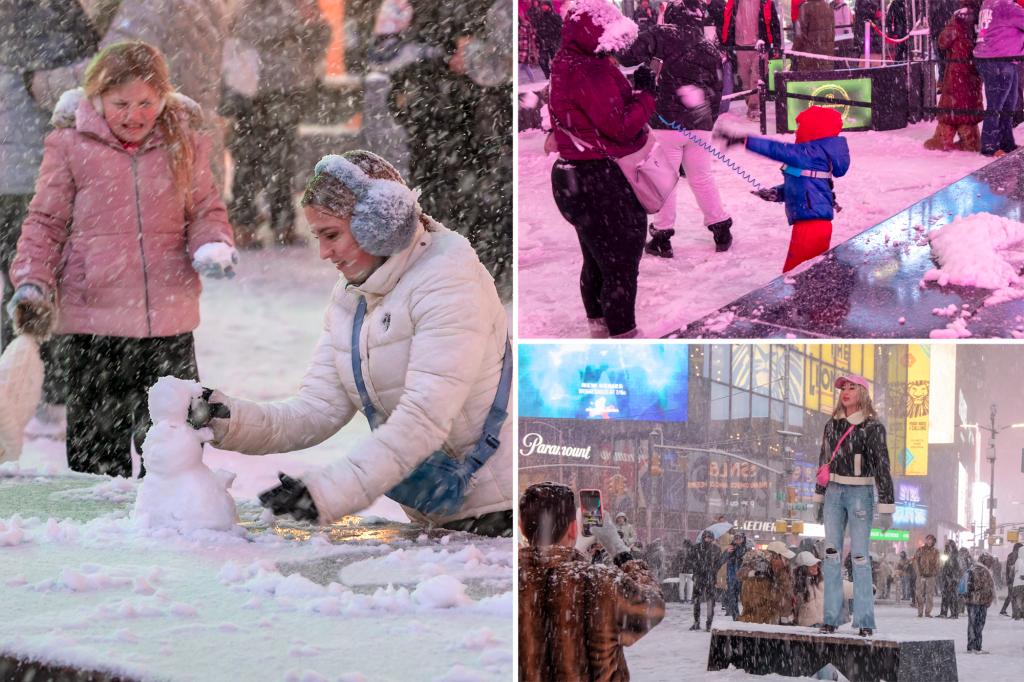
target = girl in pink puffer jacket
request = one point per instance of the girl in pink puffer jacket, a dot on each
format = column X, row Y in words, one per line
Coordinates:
column 125, row 214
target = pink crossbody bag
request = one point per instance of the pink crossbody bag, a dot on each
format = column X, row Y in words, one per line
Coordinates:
column 824, row 472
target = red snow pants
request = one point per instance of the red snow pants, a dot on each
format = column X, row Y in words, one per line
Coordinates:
column 810, row 238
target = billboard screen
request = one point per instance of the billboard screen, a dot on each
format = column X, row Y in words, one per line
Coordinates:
column 856, row 89
column 632, row 382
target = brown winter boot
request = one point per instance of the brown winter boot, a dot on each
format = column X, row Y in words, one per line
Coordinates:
column 246, row 239
column 970, row 138
column 942, row 140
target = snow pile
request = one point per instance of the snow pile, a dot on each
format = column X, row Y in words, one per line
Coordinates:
column 12, row 532
column 618, row 32
column 114, row 490
column 409, row 566
column 179, row 491
column 441, row 592
column 981, row 250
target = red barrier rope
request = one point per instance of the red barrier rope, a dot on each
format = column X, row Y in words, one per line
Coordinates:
column 890, row 39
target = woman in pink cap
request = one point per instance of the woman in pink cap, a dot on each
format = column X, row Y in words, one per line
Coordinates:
column 854, row 460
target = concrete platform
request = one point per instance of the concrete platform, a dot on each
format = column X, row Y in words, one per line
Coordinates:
column 802, row 652
column 862, row 287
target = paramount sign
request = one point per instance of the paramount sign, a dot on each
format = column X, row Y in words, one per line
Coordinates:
column 533, row 443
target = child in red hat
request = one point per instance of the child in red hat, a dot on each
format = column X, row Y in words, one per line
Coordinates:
column 809, row 165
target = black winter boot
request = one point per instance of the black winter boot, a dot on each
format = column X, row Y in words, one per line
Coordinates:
column 827, row 629
column 723, row 237
column 659, row 244
column 707, row 626
column 866, row 632
column 695, row 626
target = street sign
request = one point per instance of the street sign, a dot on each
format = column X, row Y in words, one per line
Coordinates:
column 995, row 540
column 890, row 535
column 786, row 526
column 1012, row 536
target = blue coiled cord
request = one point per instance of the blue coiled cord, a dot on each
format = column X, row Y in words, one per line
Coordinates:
column 711, row 149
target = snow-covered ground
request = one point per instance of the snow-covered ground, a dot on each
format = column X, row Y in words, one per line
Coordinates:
column 889, row 171
column 671, row 651
column 371, row 598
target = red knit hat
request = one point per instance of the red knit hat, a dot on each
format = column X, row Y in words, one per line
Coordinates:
column 816, row 122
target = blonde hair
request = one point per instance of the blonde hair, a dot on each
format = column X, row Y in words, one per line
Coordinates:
column 127, row 61
column 863, row 402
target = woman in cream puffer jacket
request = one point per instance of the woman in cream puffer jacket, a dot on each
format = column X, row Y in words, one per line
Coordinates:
column 431, row 347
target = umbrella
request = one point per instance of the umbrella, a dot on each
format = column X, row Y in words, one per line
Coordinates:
column 719, row 529
column 36, row 35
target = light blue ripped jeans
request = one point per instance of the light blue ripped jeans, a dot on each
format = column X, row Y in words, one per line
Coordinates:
column 850, row 506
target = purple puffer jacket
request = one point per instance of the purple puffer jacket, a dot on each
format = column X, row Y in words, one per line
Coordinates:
column 108, row 233
column 591, row 98
column 1000, row 29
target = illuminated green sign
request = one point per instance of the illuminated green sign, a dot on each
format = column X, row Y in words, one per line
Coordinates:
column 777, row 65
column 890, row 535
column 856, row 89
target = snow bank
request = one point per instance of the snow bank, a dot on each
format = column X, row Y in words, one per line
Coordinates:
column 980, row 250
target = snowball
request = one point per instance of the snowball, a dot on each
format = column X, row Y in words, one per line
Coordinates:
column 691, row 96
column 441, row 592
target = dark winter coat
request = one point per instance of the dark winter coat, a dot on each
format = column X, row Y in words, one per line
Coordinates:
column 705, row 560
column 897, row 25
column 548, row 26
column 981, row 590
column 1011, row 562
column 862, row 459
column 961, row 84
column 290, row 37
column 575, row 617
column 867, row 10
column 38, row 35
column 926, row 562
column 769, row 29
column 949, row 574
column 817, row 34
column 939, row 14
column 688, row 59
column 733, row 560
column 592, row 99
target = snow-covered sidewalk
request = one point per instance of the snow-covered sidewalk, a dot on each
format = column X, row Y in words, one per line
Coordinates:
column 889, row 171
column 370, row 599
column 671, row 651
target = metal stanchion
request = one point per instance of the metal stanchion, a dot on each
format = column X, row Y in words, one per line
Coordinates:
column 762, row 86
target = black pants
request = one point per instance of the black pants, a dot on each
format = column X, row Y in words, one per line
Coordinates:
column 108, row 378
column 710, row 600
column 493, row 525
column 263, row 148
column 976, row 615
column 611, row 226
column 13, row 209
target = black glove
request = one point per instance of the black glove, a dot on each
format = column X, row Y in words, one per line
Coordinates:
column 291, row 497
column 768, row 194
column 731, row 138
column 201, row 410
column 643, row 79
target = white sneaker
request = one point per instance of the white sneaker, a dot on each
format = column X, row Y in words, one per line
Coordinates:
column 50, row 421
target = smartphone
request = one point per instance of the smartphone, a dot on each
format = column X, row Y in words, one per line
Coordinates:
column 590, row 509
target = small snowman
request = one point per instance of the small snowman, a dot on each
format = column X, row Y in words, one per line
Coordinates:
column 179, row 491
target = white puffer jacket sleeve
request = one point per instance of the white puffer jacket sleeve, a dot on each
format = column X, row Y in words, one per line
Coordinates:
column 451, row 336
column 316, row 413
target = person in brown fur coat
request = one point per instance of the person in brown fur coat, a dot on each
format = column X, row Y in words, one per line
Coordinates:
column 961, row 84
column 575, row 617
column 767, row 591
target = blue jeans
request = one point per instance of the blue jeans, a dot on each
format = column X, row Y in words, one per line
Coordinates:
column 726, row 85
column 976, row 614
column 853, row 506
column 1001, row 79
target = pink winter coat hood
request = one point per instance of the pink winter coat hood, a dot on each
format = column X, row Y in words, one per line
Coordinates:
column 108, row 233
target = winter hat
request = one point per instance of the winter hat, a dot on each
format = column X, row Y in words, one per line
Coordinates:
column 362, row 185
column 815, row 123
column 597, row 26
column 707, row 534
column 853, row 379
column 620, row 515
column 806, row 559
column 780, row 548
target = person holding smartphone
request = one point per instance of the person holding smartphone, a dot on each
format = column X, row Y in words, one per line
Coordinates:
column 592, row 610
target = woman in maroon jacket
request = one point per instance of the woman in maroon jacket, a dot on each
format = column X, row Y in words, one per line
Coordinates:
column 598, row 117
